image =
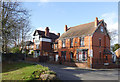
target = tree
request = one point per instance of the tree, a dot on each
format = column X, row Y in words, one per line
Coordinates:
column 116, row 46
column 113, row 35
column 15, row 24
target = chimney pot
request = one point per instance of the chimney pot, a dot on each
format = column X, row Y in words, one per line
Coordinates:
column 65, row 28
column 47, row 31
column 96, row 22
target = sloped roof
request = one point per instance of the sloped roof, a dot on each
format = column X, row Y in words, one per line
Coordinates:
column 42, row 33
column 80, row 30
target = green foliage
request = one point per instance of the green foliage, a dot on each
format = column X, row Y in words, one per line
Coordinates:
column 26, row 51
column 32, row 52
column 23, row 71
column 15, row 50
column 116, row 46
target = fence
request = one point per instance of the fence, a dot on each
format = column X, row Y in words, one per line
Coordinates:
column 13, row 57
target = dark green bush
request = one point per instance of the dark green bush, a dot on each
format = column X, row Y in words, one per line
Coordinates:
column 15, row 50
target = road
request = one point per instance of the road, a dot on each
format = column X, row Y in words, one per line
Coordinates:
column 75, row 73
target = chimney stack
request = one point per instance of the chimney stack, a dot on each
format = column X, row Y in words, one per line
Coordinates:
column 58, row 34
column 65, row 28
column 96, row 22
column 47, row 31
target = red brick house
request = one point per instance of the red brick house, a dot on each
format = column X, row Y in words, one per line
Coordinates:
column 86, row 45
column 43, row 41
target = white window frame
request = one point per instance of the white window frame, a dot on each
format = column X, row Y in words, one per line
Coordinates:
column 37, row 46
column 82, row 41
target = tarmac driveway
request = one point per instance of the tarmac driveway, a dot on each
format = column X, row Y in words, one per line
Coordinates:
column 75, row 73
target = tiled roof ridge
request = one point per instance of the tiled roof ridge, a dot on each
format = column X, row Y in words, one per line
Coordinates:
column 44, row 31
column 86, row 23
column 82, row 24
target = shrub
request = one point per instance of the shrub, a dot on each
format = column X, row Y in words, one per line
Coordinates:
column 32, row 52
column 15, row 50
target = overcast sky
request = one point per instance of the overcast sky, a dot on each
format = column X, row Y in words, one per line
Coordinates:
column 56, row 15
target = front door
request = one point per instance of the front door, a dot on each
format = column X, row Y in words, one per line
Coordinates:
column 63, row 55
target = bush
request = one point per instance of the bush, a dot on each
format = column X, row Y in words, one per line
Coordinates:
column 32, row 52
column 15, row 50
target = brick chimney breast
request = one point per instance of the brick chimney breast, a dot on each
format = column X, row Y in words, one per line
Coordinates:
column 96, row 22
column 47, row 31
column 65, row 28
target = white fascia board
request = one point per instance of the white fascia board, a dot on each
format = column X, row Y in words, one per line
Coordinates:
column 45, row 39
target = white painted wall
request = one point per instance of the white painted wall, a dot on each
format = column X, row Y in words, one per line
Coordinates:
column 45, row 39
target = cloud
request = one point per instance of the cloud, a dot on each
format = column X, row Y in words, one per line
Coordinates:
column 112, row 23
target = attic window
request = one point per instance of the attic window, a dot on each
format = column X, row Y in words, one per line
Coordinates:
column 101, row 29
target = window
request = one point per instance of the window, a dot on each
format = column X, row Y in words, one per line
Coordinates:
column 106, row 57
column 37, row 46
column 81, row 56
column 27, row 47
column 63, row 43
column 71, row 42
column 101, row 29
column 100, row 55
column 99, row 42
column 63, row 55
column 52, row 45
column 81, row 41
column 55, row 46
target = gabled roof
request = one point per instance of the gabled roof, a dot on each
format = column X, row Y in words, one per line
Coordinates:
column 42, row 34
column 80, row 30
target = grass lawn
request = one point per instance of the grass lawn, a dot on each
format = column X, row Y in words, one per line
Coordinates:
column 19, row 70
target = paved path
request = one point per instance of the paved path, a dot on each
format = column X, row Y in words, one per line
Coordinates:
column 75, row 73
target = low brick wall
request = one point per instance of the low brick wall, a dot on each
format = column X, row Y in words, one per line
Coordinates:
column 110, row 66
column 81, row 65
column 32, row 59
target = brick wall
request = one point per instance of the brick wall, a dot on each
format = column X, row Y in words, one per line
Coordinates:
column 105, row 43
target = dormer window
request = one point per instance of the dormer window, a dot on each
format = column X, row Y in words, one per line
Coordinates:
column 101, row 29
